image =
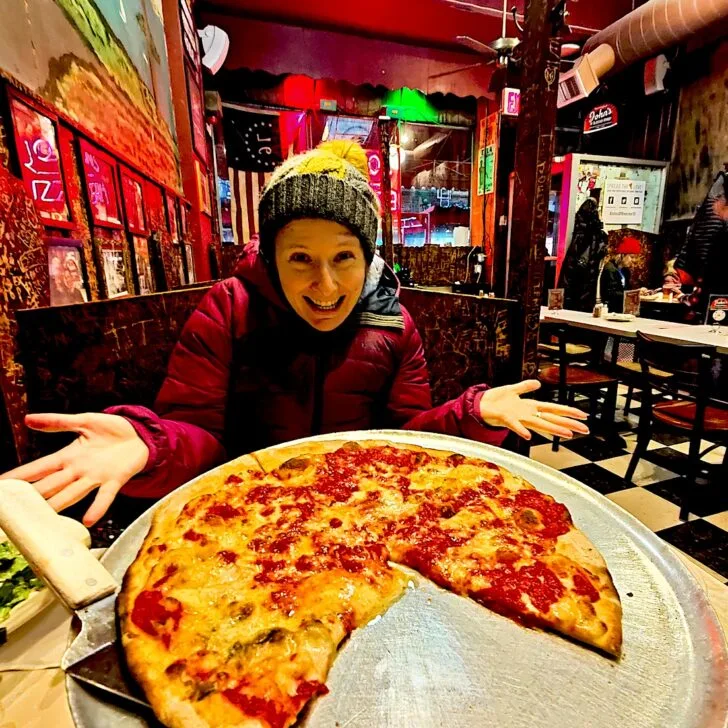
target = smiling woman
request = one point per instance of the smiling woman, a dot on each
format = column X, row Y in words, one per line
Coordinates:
column 308, row 337
column 321, row 268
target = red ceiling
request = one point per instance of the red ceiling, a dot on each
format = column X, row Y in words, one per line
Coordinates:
column 424, row 22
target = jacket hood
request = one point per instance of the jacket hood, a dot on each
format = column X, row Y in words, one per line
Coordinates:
column 378, row 304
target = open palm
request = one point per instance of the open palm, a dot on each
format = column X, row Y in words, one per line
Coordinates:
column 505, row 407
column 105, row 455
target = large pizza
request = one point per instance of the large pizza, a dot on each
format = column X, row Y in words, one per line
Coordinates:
column 250, row 579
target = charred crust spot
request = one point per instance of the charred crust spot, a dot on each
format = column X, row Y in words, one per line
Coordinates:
column 272, row 636
column 176, row 668
column 297, row 463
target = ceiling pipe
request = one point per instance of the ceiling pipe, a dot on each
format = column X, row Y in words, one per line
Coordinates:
column 650, row 29
column 656, row 26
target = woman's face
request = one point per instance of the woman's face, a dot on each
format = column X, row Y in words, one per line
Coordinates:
column 322, row 269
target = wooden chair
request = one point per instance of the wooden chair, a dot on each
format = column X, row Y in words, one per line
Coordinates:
column 569, row 379
column 630, row 372
column 691, row 409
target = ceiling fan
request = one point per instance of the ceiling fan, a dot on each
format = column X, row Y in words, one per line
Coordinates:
column 502, row 50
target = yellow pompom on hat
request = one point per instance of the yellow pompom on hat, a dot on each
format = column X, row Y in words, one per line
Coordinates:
column 329, row 182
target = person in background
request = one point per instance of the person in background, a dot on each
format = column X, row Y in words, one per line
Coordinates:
column 584, row 255
column 616, row 274
column 308, row 337
column 671, row 280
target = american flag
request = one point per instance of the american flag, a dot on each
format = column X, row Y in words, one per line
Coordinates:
column 245, row 189
column 255, row 145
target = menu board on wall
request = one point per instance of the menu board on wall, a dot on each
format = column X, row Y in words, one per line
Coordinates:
column 37, row 145
column 133, row 193
column 102, row 186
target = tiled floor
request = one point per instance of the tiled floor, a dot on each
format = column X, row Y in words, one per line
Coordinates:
column 655, row 494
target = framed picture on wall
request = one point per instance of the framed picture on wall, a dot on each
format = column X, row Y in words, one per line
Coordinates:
column 172, row 224
column 203, row 187
column 189, row 264
column 66, row 272
column 132, row 189
column 190, row 39
column 143, row 265
column 36, row 141
column 102, row 185
column 114, row 269
column 184, row 219
column 197, row 113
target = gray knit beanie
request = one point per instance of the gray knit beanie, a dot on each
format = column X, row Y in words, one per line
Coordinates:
column 329, row 182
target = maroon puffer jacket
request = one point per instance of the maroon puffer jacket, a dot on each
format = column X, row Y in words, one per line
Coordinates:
column 248, row 373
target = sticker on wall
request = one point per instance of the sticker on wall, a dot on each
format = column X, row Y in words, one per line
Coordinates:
column 624, row 201
column 489, row 184
column 604, row 116
column 40, row 164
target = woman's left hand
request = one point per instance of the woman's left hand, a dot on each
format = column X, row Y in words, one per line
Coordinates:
column 503, row 407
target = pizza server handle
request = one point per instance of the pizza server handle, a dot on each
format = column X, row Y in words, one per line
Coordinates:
column 56, row 555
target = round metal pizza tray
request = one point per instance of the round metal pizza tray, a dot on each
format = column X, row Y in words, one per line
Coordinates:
column 436, row 659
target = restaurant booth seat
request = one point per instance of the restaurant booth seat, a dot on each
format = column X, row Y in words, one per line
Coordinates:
column 567, row 377
column 87, row 357
column 691, row 409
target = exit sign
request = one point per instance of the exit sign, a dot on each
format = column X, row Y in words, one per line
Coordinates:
column 328, row 105
column 511, row 101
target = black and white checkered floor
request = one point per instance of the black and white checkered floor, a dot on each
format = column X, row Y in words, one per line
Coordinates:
column 654, row 496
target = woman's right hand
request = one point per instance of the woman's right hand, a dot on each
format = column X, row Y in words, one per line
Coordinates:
column 107, row 453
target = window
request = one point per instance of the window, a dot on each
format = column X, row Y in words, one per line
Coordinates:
column 435, row 164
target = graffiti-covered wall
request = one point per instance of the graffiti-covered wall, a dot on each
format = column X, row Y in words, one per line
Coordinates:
column 103, row 64
column 701, row 136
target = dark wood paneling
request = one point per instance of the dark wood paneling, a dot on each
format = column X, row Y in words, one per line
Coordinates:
column 92, row 356
column 467, row 340
column 534, row 152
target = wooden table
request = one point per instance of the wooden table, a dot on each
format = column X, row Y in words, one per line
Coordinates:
column 667, row 331
column 37, row 698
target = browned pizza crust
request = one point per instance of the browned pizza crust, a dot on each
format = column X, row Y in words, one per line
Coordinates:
column 311, row 641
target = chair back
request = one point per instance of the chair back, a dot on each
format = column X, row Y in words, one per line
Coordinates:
column 688, row 366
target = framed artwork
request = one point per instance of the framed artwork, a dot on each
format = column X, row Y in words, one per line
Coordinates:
column 36, row 140
column 190, row 264
column 184, row 219
column 180, row 255
column 143, row 264
column 132, row 188
column 172, row 225
column 65, row 271
column 102, row 185
column 197, row 113
column 190, row 39
column 203, row 188
column 114, row 269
